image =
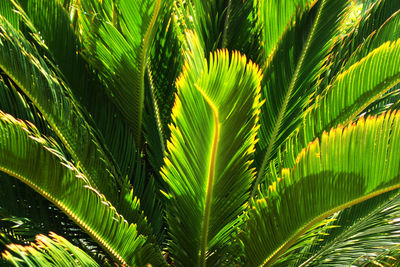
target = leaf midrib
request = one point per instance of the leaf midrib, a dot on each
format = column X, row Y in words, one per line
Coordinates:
column 143, row 55
column 210, row 180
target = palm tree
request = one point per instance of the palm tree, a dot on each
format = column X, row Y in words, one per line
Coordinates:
column 199, row 133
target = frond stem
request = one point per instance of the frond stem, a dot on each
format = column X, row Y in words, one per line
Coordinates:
column 210, row 183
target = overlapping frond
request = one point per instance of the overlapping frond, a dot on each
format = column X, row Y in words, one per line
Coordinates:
column 363, row 231
column 374, row 18
column 43, row 18
column 354, row 89
column 224, row 24
column 166, row 63
column 24, row 66
column 209, row 153
column 348, row 166
column 54, row 251
column 118, row 36
column 22, row 150
column 290, row 74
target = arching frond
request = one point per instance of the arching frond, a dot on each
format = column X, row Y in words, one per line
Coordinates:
column 354, row 89
column 22, row 150
column 275, row 17
column 54, row 251
column 209, row 153
column 24, row 66
column 118, row 36
column 348, row 166
column 291, row 72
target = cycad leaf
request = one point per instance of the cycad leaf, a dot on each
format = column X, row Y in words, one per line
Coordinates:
column 346, row 167
column 22, row 150
column 209, row 153
column 275, row 16
column 363, row 231
column 118, row 36
column 165, row 63
column 372, row 20
column 23, row 64
column 44, row 18
column 354, row 89
column 54, row 251
column 289, row 77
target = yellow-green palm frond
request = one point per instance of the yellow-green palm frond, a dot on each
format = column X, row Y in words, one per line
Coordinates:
column 347, row 166
column 23, row 150
column 209, row 154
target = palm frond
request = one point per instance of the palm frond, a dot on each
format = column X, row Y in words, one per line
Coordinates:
column 294, row 73
column 362, row 232
column 224, row 24
column 332, row 173
column 354, row 89
column 54, row 251
column 209, row 153
column 118, row 37
column 65, row 187
column 275, row 17
column 373, row 19
column 165, row 63
column 22, row 64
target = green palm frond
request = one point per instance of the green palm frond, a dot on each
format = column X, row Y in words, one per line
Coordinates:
column 275, row 17
column 294, row 68
column 334, row 177
column 207, row 166
column 54, row 251
column 243, row 32
column 152, row 127
column 165, row 64
column 389, row 31
column 224, row 24
column 118, row 37
column 373, row 20
column 354, row 89
column 355, row 241
column 65, row 187
column 22, row 64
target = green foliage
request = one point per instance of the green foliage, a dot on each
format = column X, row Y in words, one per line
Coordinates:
column 199, row 133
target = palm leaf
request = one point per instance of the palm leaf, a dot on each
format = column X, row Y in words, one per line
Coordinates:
column 209, row 153
column 66, row 51
column 118, row 37
column 352, row 92
column 332, row 173
column 354, row 241
column 54, row 251
column 165, row 64
column 22, row 150
column 373, row 19
column 21, row 62
column 294, row 74
column 42, row 18
column 275, row 17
